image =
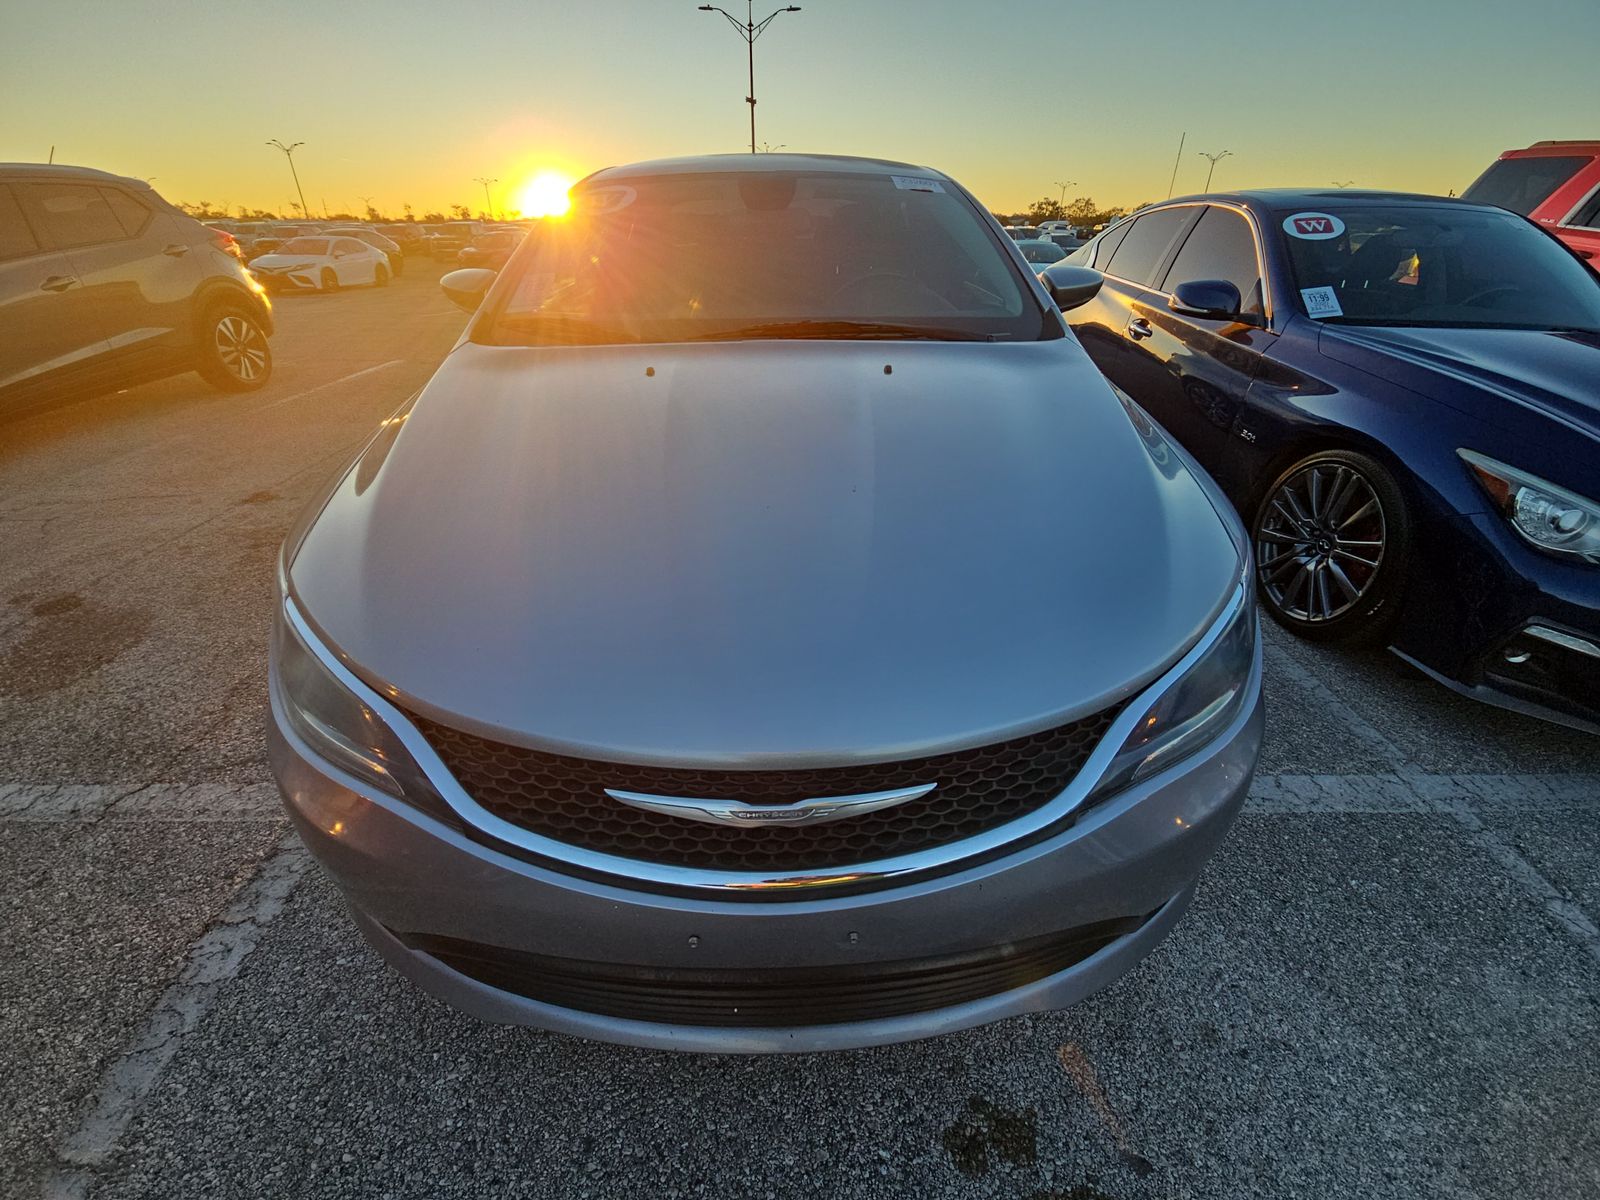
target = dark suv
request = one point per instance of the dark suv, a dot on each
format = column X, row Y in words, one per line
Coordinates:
column 103, row 284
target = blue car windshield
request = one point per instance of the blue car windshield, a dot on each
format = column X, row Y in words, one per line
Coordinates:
column 754, row 255
column 1446, row 266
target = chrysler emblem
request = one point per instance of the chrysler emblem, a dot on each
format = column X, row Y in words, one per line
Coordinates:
column 801, row 812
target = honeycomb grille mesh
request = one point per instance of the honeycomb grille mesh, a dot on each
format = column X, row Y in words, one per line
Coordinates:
column 563, row 798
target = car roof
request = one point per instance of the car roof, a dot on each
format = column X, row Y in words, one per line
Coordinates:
column 64, row 172
column 1277, row 199
column 1555, row 149
column 720, row 163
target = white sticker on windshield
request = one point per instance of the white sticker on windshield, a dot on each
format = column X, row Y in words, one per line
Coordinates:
column 1321, row 302
column 907, row 184
column 1313, row 226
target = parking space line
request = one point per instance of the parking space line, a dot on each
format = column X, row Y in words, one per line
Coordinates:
column 1566, row 914
column 332, row 383
column 213, row 960
column 1285, row 664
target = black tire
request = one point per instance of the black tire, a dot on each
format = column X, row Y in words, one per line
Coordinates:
column 380, row 276
column 234, row 354
column 330, row 281
column 1331, row 540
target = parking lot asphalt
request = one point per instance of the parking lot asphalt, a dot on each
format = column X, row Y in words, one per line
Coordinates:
column 1389, row 984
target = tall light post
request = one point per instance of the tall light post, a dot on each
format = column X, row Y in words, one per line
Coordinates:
column 1064, row 187
column 487, row 202
column 1215, row 159
column 750, row 30
column 288, row 152
column 1342, row 185
column 366, row 205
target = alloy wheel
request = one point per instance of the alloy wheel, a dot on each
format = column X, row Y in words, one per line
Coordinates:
column 1320, row 542
column 241, row 347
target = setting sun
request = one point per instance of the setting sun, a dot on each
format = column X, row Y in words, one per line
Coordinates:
column 545, row 195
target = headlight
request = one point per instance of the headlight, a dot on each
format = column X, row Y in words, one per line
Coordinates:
column 1548, row 517
column 339, row 726
column 1197, row 706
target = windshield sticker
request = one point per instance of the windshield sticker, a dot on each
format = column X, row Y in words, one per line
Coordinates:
column 907, row 184
column 1321, row 302
column 1313, row 226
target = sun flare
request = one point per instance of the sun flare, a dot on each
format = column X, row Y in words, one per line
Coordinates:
column 545, row 195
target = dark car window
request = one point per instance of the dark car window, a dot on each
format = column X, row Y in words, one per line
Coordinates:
column 348, row 246
column 132, row 213
column 1105, row 245
column 694, row 257
column 1522, row 184
column 1454, row 266
column 1221, row 246
column 1588, row 215
column 16, row 239
column 71, row 214
column 1146, row 244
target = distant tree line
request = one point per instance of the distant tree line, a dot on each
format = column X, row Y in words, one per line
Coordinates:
column 204, row 210
column 1082, row 212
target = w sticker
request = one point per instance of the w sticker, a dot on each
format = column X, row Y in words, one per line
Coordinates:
column 1313, row 226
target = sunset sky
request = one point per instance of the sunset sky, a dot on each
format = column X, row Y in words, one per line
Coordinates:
column 406, row 101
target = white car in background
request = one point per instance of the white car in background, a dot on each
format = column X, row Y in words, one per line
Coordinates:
column 321, row 264
column 391, row 248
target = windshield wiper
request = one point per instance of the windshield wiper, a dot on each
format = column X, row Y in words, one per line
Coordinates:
column 842, row 330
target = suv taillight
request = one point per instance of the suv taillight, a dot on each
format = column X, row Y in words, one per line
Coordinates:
column 227, row 243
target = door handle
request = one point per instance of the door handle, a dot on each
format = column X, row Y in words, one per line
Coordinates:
column 58, row 283
column 1139, row 328
column 176, row 250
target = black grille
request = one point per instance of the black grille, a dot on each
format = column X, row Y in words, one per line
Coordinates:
column 564, row 798
column 764, row 998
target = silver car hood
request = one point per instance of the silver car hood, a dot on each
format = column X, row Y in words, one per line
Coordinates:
column 764, row 553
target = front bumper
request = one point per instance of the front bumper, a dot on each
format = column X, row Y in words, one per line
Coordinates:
column 1494, row 619
column 413, row 882
column 300, row 281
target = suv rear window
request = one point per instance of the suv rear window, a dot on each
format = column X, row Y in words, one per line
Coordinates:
column 1522, row 184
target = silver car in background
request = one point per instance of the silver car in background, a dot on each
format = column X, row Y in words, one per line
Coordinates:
column 767, row 630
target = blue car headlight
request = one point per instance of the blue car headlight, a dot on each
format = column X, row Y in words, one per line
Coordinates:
column 338, row 724
column 1547, row 517
column 1204, row 700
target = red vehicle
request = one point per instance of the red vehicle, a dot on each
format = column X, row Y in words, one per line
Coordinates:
column 1557, row 184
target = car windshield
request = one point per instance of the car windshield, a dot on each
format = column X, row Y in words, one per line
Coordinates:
column 752, row 255
column 1448, row 266
column 302, row 245
column 1041, row 252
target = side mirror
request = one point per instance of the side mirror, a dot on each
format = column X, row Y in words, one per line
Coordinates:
column 466, row 288
column 1070, row 286
column 1211, row 299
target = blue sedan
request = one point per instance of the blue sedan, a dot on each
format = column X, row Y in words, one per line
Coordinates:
column 1401, row 394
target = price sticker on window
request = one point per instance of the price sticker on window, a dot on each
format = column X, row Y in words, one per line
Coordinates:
column 1321, row 302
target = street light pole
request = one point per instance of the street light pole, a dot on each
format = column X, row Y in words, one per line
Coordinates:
column 750, row 30
column 1064, row 187
column 488, row 202
column 1215, row 159
column 288, row 152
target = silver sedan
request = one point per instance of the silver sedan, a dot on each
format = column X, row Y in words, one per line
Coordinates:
column 767, row 630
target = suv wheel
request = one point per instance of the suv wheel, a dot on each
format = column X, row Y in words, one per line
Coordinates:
column 234, row 354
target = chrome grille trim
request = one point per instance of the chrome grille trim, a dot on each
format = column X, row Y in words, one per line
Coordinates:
column 633, row 872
